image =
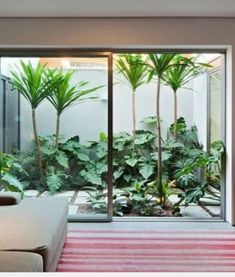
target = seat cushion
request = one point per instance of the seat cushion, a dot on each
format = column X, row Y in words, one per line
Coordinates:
column 9, row 198
column 35, row 225
column 11, row 261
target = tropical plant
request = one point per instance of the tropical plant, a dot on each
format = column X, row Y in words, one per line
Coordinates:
column 177, row 76
column 64, row 94
column 192, row 169
column 32, row 84
column 129, row 167
column 133, row 69
column 158, row 64
column 9, row 166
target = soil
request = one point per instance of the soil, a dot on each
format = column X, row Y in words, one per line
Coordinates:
column 168, row 212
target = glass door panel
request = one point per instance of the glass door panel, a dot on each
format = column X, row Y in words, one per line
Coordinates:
column 70, row 116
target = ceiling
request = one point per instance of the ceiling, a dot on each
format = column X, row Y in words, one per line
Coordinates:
column 116, row 8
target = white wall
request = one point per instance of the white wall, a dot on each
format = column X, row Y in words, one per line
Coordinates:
column 9, row 64
column 109, row 33
column 145, row 106
column 85, row 119
column 200, row 108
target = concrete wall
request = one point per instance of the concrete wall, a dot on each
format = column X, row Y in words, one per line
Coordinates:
column 111, row 33
column 200, row 107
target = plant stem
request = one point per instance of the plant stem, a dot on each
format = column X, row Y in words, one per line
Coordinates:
column 159, row 162
column 39, row 156
column 175, row 115
column 133, row 119
column 57, row 130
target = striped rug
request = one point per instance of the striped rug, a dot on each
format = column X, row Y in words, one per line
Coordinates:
column 148, row 251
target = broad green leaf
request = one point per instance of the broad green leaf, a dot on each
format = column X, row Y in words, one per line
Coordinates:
column 132, row 161
column 91, row 177
column 101, row 168
column 117, row 174
column 62, row 159
column 54, row 181
column 83, row 157
column 146, row 170
column 9, row 182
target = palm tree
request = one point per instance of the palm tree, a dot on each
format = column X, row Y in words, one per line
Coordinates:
column 31, row 83
column 65, row 95
column 133, row 69
column 158, row 64
column 177, row 76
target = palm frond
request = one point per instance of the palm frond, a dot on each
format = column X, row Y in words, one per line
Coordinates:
column 31, row 83
column 64, row 94
column 133, row 69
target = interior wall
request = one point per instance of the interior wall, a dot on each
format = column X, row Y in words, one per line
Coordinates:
column 136, row 32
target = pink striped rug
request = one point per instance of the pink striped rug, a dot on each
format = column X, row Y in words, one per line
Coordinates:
column 148, row 251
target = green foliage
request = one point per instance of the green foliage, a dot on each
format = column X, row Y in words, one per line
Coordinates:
column 129, row 167
column 195, row 171
column 149, row 120
column 9, row 167
column 64, row 94
column 158, row 64
column 141, row 197
column 183, row 71
column 55, row 179
column 31, row 83
column 133, row 68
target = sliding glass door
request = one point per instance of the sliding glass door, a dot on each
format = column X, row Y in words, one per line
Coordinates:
column 136, row 144
column 62, row 149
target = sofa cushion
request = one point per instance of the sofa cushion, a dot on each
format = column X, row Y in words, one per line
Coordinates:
column 35, row 225
column 9, row 198
column 12, row 261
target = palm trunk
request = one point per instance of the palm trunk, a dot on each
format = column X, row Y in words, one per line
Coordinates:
column 159, row 144
column 39, row 155
column 175, row 115
column 57, row 131
column 133, row 119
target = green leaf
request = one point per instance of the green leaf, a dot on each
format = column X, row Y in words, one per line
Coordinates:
column 31, row 83
column 101, row 168
column 62, row 159
column 48, row 150
column 91, row 176
column 133, row 69
column 117, row 174
column 193, row 195
column 131, row 161
column 10, row 183
column 127, row 177
column 150, row 120
column 103, row 137
column 83, row 157
column 146, row 170
column 166, row 155
column 54, row 179
column 64, row 93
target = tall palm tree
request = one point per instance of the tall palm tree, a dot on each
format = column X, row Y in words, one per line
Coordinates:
column 134, row 70
column 158, row 64
column 65, row 95
column 31, row 83
column 177, row 76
